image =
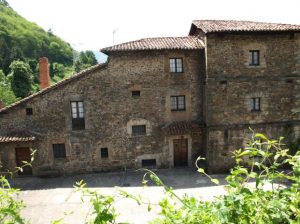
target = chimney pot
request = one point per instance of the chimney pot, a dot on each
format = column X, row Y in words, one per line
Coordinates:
column 44, row 73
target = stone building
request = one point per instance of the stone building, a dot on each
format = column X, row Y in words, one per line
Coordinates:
column 162, row 102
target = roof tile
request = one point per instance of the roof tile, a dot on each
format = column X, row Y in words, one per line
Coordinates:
column 158, row 43
column 215, row 26
column 17, row 137
column 181, row 127
column 56, row 85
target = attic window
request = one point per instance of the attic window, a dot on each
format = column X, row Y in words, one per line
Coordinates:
column 29, row 111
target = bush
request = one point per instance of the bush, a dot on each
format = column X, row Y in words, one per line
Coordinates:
column 256, row 191
column 10, row 208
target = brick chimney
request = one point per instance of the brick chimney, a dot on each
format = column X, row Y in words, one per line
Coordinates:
column 44, row 73
column 1, row 104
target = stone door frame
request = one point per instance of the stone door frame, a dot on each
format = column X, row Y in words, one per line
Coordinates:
column 171, row 149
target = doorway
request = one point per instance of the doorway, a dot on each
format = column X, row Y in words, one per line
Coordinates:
column 23, row 154
column 180, row 152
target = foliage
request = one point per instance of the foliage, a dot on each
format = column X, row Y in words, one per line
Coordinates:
column 104, row 211
column 24, row 40
column 85, row 60
column 255, row 193
column 258, row 191
column 21, row 78
column 6, row 94
column 10, row 207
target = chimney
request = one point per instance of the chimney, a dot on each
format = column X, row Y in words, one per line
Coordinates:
column 44, row 73
column 1, row 104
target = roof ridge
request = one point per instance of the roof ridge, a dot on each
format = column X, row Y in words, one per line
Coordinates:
column 157, row 43
column 214, row 26
column 238, row 20
column 54, row 86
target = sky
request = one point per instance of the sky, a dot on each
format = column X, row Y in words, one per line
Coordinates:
column 90, row 24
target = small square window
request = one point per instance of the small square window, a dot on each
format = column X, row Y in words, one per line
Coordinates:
column 254, row 59
column 138, row 129
column 59, row 151
column 256, row 104
column 176, row 65
column 29, row 111
column 151, row 163
column 177, row 103
column 136, row 93
column 104, row 152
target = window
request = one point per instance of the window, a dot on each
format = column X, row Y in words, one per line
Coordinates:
column 254, row 57
column 136, row 93
column 149, row 163
column 104, row 152
column 29, row 111
column 138, row 129
column 176, row 65
column 256, row 104
column 78, row 122
column 177, row 103
column 59, row 151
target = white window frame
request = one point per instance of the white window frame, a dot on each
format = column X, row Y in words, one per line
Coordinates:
column 176, row 65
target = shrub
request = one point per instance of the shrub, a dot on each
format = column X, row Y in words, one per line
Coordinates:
column 257, row 192
column 10, row 207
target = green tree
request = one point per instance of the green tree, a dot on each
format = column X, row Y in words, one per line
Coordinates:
column 85, row 60
column 21, row 76
column 4, row 2
column 87, row 57
column 6, row 94
column 23, row 40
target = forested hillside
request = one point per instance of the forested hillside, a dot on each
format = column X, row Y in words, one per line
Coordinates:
column 22, row 43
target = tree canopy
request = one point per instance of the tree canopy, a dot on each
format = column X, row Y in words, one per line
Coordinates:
column 24, row 40
column 21, row 78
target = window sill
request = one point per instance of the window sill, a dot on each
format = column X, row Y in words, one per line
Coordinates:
column 178, row 110
column 78, row 129
column 176, row 73
column 138, row 135
column 60, row 159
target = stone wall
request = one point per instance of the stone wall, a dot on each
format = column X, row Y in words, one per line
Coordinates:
column 109, row 108
column 231, row 84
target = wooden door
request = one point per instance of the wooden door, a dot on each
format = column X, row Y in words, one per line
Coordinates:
column 23, row 154
column 180, row 152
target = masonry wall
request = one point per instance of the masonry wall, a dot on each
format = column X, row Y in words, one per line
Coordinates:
column 231, row 84
column 110, row 111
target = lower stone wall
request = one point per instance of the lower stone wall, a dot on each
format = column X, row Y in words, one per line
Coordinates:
column 222, row 141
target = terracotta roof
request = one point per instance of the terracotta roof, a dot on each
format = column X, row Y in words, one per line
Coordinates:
column 55, row 86
column 158, row 43
column 17, row 137
column 180, row 127
column 215, row 26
